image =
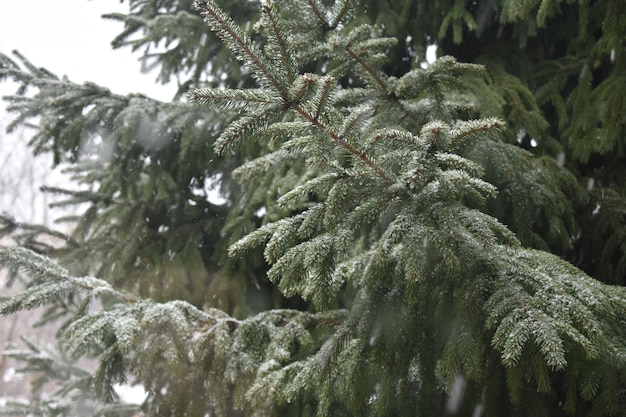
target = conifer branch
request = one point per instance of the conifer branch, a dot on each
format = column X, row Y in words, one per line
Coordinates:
column 345, row 5
column 59, row 281
column 284, row 53
column 244, row 126
column 223, row 25
column 8, row 225
column 379, row 82
column 308, row 80
column 493, row 124
column 405, row 137
column 318, row 13
column 353, row 120
column 229, row 98
column 342, row 142
column 323, row 96
column 480, row 126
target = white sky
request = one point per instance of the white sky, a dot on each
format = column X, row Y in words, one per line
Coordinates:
column 69, row 37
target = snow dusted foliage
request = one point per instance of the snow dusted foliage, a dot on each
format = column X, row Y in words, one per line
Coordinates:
column 363, row 263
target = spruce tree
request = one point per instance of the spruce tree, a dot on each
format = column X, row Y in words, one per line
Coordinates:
column 395, row 238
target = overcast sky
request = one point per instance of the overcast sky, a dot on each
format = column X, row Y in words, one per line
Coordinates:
column 69, row 37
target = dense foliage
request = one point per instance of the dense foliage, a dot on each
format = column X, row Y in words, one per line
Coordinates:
column 398, row 238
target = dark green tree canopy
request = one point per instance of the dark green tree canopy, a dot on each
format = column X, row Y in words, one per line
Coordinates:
column 398, row 238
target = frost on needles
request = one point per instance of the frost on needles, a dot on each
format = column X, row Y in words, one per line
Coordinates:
column 376, row 218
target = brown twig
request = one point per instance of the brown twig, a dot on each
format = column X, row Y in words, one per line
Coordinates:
column 342, row 142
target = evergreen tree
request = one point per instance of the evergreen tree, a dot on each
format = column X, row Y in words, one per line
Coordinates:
column 388, row 246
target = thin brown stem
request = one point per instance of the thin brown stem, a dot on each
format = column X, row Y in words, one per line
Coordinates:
column 352, row 124
column 246, row 48
column 325, row 92
column 303, row 90
column 370, row 70
column 342, row 142
column 318, row 13
column 478, row 129
column 340, row 15
column 281, row 42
